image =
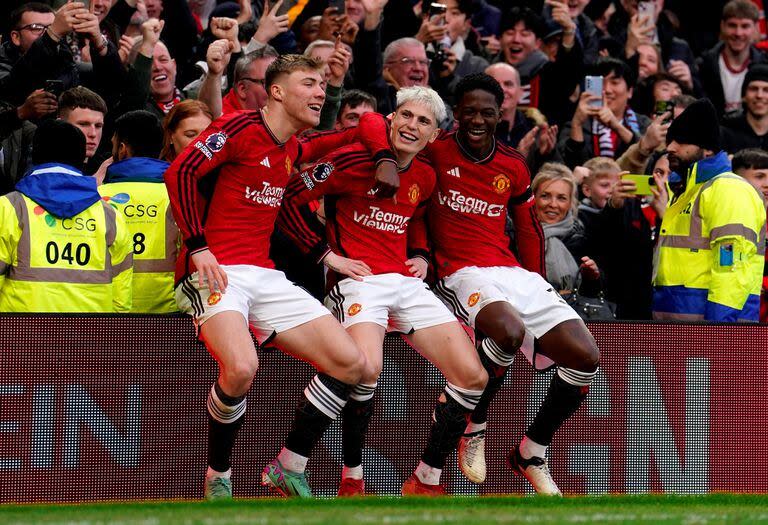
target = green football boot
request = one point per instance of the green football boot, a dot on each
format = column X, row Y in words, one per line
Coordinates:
column 284, row 482
column 217, row 488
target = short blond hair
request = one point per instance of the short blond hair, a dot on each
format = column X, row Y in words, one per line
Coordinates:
column 287, row 64
column 425, row 96
column 600, row 167
column 553, row 171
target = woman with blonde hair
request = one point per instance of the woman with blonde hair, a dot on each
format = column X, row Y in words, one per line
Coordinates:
column 555, row 192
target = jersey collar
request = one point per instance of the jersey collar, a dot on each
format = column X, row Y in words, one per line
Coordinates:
column 469, row 155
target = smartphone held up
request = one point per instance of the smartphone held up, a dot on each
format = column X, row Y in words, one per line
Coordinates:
column 594, row 86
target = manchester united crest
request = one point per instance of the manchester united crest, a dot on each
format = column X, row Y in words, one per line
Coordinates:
column 501, row 183
column 214, row 298
column 288, row 165
column 472, row 301
column 414, row 193
column 354, row 309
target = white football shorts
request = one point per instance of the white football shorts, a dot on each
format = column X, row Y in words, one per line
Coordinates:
column 265, row 297
column 470, row 289
column 396, row 302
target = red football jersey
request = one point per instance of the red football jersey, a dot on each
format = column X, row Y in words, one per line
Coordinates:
column 359, row 225
column 467, row 212
column 227, row 186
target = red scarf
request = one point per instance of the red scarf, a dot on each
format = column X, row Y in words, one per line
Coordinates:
column 165, row 107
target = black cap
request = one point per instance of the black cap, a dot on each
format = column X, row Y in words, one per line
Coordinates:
column 60, row 142
column 696, row 125
column 755, row 72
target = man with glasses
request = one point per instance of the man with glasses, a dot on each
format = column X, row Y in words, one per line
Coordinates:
column 27, row 24
column 37, row 49
column 248, row 87
column 405, row 64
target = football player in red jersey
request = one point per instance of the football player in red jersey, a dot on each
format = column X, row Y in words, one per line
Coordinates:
column 374, row 285
column 226, row 189
column 479, row 181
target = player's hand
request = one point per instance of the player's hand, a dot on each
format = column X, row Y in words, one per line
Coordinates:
column 589, row 269
column 208, row 269
column 418, row 267
column 387, row 180
column 349, row 267
column 37, row 105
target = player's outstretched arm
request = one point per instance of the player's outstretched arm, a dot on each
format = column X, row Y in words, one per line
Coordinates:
column 373, row 133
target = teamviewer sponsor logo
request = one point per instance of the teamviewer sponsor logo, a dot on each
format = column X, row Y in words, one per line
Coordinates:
column 382, row 220
column 267, row 195
column 461, row 203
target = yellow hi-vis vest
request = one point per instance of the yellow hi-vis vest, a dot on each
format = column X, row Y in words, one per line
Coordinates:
column 48, row 264
column 711, row 249
column 146, row 210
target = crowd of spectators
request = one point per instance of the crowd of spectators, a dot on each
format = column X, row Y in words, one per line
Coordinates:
column 141, row 79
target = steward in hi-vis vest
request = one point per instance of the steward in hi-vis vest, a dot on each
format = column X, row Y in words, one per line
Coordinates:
column 62, row 248
column 135, row 188
column 712, row 239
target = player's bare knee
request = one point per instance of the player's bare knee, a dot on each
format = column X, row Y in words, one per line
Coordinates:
column 512, row 340
column 472, row 378
column 507, row 332
column 587, row 356
column 239, row 375
column 371, row 372
column 351, row 369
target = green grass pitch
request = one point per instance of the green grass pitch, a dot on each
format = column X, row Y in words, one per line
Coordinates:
column 713, row 509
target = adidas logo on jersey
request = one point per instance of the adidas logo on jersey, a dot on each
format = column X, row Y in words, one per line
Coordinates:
column 454, row 172
column 265, row 162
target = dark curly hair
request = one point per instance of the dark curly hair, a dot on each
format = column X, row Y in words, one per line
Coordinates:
column 482, row 82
